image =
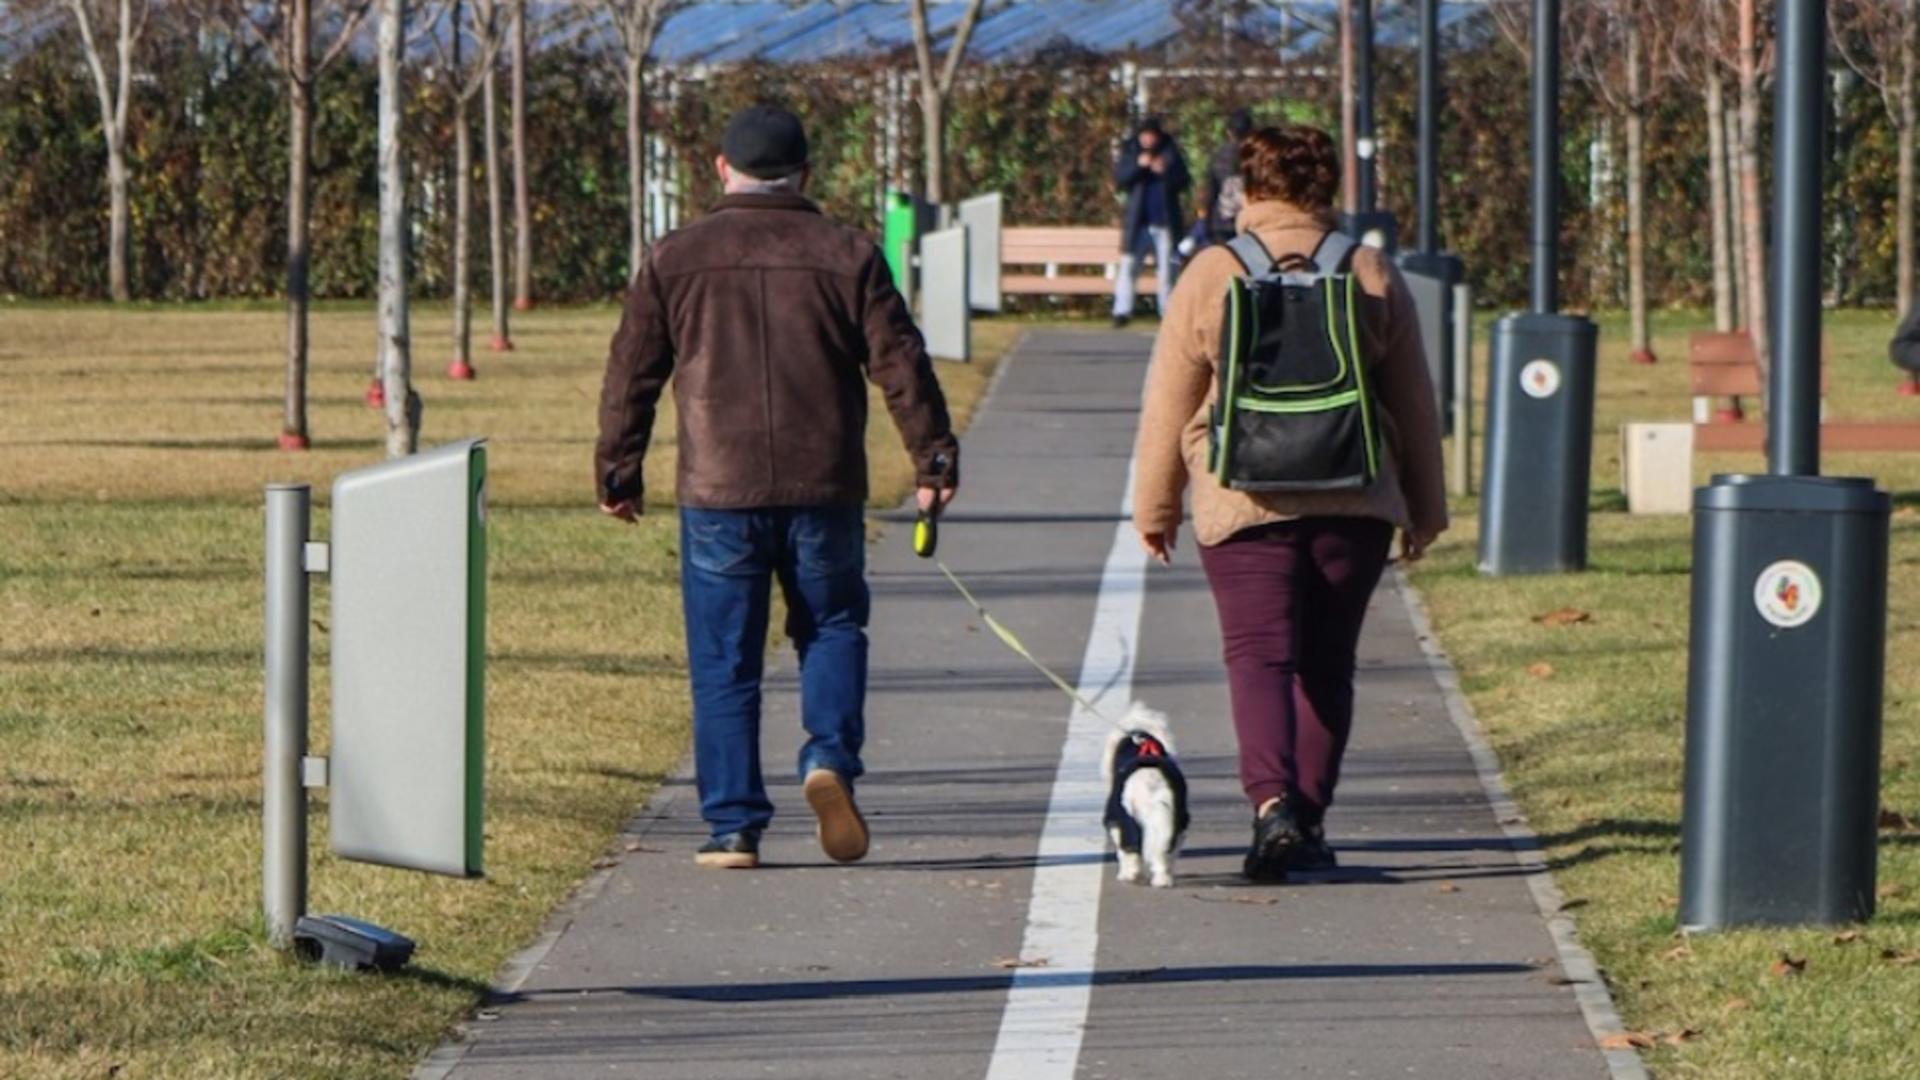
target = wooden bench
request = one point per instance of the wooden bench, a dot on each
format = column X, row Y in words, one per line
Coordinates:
column 1049, row 248
column 1856, row 437
column 1722, row 366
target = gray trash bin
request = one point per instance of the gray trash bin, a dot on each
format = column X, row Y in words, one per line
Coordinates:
column 1533, row 511
column 1783, row 701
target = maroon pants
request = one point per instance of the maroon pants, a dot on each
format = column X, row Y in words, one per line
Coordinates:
column 1291, row 598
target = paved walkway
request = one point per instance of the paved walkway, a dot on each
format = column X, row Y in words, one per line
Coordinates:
column 1425, row 955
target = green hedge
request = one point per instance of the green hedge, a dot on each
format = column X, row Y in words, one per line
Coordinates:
column 208, row 138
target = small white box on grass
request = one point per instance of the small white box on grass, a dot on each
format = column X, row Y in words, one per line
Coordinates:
column 1656, row 467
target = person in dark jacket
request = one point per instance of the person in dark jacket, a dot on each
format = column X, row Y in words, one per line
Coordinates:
column 1152, row 174
column 1904, row 349
column 769, row 318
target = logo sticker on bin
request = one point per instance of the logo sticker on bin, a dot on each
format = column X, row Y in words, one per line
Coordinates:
column 1540, row 379
column 1787, row 594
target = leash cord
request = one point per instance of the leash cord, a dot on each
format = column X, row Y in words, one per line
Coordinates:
column 1013, row 642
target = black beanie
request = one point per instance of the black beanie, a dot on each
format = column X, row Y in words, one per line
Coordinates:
column 765, row 142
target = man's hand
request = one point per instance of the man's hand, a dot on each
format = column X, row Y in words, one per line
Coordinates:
column 1159, row 545
column 1146, row 159
column 627, row 510
column 1413, row 545
column 934, row 498
column 1159, row 165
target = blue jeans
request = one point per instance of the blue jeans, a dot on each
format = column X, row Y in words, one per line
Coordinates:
column 729, row 560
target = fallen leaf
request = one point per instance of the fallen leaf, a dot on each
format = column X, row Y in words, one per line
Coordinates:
column 1541, row 670
column 1670, row 902
column 1021, row 962
column 1539, row 961
column 1906, row 513
column 1449, row 887
column 1677, row 1038
column 1890, row 890
column 1901, row 957
column 1895, row 821
column 637, row 846
column 1846, row 937
column 1738, row 1004
column 1562, row 980
column 1627, row 1040
column 1565, row 616
column 605, row 863
column 1678, row 952
column 1575, row 904
column 1788, row 966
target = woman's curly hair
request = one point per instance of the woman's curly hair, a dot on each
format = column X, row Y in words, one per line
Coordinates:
column 1295, row 164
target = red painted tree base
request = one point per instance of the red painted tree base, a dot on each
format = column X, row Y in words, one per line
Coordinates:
column 1734, row 415
column 460, row 369
column 290, row 441
column 1644, row 356
column 1910, row 388
column 500, row 344
column 523, row 305
column 376, row 395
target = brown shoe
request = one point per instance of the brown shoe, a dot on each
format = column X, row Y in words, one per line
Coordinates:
column 735, row 851
column 843, row 832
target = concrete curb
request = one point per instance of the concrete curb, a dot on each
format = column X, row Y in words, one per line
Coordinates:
column 1576, row 963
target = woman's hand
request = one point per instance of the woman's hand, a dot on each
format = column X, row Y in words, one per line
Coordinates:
column 1413, row 545
column 1159, row 545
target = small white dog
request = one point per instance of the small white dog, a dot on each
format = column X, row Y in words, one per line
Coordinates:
column 1146, row 796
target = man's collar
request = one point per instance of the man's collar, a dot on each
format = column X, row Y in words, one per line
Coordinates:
column 772, row 200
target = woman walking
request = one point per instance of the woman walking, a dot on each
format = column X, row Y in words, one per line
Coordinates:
column 1291, row 572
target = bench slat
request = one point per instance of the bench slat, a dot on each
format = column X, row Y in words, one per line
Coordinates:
column 1858, row 437
column 1069, row 284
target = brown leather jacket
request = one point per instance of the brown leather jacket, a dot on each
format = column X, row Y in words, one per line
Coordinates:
column 769, row 316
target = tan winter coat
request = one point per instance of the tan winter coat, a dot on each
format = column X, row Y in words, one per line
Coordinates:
column 1172, row 448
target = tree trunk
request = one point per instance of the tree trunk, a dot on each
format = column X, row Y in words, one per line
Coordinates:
column 117, row 227
column 496, row 209
column 402, row 404
column 1723, row 308
column 522, row 209
column 1908, row 119
column 1736, row 219
column 636, row 166
column 462, row 365
column 1752, row 204
column 933, row 110
column 1638, row 332
column 293, row 426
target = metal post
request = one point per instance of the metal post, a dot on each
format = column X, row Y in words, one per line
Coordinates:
column 1462, row 389
column 1793, row 388
column 1546, row 155
column 1363, row 106
column 1427, row 180
column 284, row 796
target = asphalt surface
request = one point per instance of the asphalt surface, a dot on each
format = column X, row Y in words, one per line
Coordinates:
column 1424, row 955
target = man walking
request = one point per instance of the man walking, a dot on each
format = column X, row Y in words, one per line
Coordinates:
column 767, row 314
column 1152, row 174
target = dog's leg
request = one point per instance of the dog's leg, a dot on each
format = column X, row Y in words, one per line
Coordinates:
column 1129, row 861
column 1156, row 843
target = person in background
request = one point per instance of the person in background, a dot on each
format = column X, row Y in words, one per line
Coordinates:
column 1291, row 573
column 1225, row 192
column 769, row 318
column 1153, row 176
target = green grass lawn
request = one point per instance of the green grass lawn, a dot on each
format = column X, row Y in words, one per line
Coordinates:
column 133, row 448
column 1588, row 720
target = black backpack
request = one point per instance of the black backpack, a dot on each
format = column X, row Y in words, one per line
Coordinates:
column 1294, row 411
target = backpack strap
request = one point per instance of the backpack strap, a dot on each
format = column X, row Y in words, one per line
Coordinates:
column 1334, row 255
column 1253, row 255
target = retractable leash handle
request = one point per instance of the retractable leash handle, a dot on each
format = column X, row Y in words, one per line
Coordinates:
column 926, row 532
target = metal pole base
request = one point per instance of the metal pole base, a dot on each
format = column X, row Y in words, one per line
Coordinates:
column 1533, row 511
column 1785, row 668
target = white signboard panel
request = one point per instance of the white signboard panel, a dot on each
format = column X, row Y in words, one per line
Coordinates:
column 406, row 761
column 945, row 315
column 982, row 218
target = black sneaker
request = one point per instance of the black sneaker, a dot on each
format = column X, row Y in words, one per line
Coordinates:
column 1313, row 852
column 1120, row 321
column 1276, row 835
column 734, row 851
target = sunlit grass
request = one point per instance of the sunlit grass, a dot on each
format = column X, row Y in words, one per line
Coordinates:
column 133, row 448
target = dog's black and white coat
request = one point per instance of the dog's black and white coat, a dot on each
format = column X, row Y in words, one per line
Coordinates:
column 1146, row 796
